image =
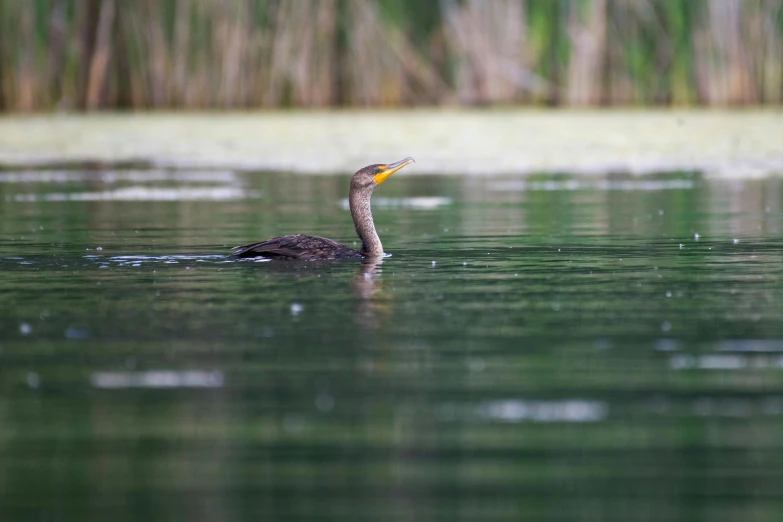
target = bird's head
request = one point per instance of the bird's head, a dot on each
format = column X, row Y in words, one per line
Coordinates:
column 371, row 176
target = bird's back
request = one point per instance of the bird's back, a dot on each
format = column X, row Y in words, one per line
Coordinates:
column 297, row 246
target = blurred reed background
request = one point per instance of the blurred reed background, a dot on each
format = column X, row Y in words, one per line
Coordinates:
column 93, row 54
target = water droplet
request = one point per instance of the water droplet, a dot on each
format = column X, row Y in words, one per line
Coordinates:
column 33, row 380
column 324, row 402
column 293, row 423
column 268, row 332
column 666, row 345
column 476, row 364
column 602, row 343
column 76, row 333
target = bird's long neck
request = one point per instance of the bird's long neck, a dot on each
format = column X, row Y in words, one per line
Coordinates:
column 361, row 212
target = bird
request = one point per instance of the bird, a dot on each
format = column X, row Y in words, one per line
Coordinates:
column 314, row 248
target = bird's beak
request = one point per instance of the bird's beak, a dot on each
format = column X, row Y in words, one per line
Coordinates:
column 388, row 170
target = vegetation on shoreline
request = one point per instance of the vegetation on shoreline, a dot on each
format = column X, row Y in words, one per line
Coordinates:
column 92, row 54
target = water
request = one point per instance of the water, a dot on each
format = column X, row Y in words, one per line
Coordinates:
column 604, row 348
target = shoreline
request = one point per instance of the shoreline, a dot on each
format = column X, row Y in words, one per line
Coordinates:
column 718, row 143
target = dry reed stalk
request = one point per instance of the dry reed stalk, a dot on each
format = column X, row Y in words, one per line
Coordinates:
column 325, row 47
column 181, row 53
column 26, row 78
column 725, row 75
column 158, row 55
column 229, row 46
column 300, row 68
column 249, row 53
column 488, row 43
column 620, row 86
column 424, row 73
column 766, row 49
column 200, row 88
column 137, row 76
column 383, row 67
column 99, row 62
column 281, row 51
column 309, row 69
column 374, row 75
column 587, row 30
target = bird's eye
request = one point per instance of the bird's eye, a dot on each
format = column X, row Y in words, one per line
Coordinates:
column 377, row 170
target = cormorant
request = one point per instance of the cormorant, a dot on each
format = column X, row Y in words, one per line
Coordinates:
column 312, row 248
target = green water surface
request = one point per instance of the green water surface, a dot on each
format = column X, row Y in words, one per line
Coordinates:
column 541, row 348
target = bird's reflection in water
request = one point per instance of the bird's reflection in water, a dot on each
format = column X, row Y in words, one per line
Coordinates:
column 372, row 306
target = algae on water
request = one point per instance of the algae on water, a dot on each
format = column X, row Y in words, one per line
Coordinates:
column 724, row 143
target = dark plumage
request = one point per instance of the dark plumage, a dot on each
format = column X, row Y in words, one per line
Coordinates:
column 297, row 246
column 312, row 248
